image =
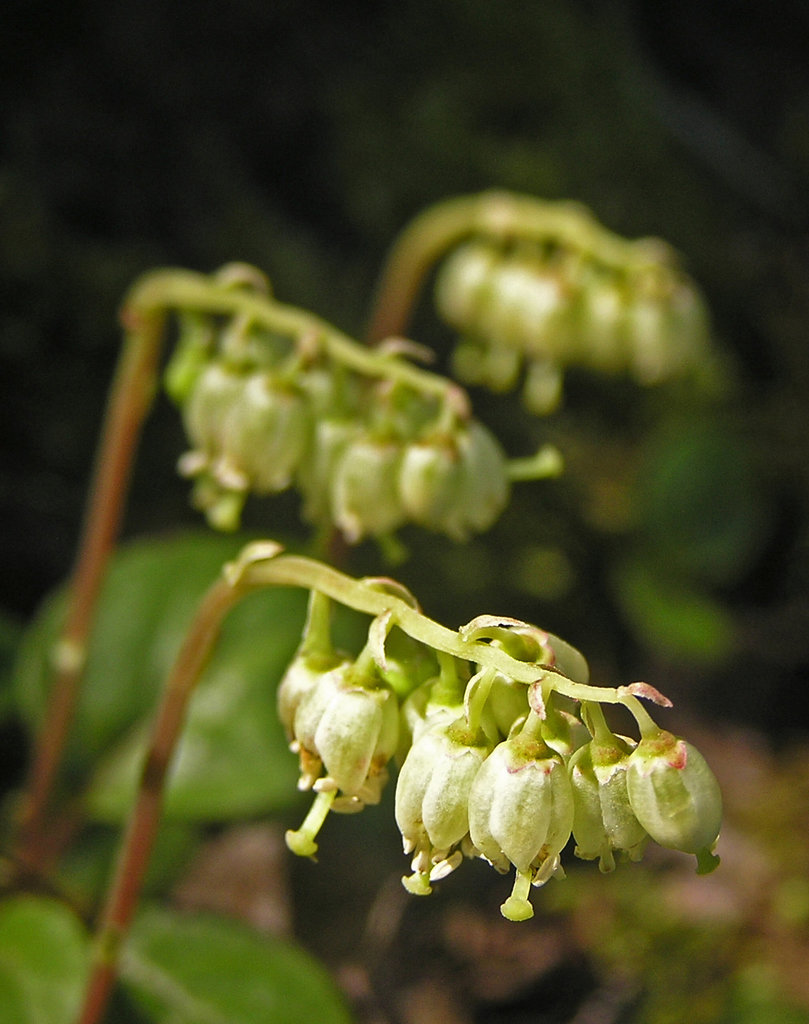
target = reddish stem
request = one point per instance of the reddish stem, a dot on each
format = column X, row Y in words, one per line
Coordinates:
column 144, row 819
column 128, row 404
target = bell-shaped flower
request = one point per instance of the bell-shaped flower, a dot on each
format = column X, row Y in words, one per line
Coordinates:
column 350, row 730
column 675, row 796
column 432, row 798
column 521, row 812
column 603, row 819
column 267, row 434
column 365, row 488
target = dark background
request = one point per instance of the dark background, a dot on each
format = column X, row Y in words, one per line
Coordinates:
column 302, row 136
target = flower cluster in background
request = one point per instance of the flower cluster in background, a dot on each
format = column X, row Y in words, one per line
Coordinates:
column 539, row 306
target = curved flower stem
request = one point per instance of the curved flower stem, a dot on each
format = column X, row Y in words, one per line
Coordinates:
column 183, row 289
column 129, row 401
column 496, row 215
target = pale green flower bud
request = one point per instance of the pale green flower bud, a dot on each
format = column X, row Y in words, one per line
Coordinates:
column 462, row 280
column 316, row 473
column 525, row 307
column 310, row 707
column 521, row 813
column 430, row 482
column 216, row 392
column 299, row 680
column 267, row 434
column 457, row 484
column 601, row 318
column 521, row 806
column 485, row 482
column 675, row 796
column 432, row 796
column 603, row 820
column 349, row 730
column 365, row 489
column 355, row 738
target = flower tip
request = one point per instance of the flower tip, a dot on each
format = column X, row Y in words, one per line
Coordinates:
column 517, row 909
column 417, row 884
column 300, row 843
column 707, row 862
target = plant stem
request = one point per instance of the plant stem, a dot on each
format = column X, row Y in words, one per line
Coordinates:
column 145, row 816
column 498, row 216
column 183, row 289
column 130, row 397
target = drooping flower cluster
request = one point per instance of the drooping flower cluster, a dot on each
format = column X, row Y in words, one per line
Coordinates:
column 498, row 757
column 545, row 306
column 370, row 440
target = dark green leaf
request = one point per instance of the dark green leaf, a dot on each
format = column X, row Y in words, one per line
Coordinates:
column 44, row 956
column 207, row 970
column 233, row 758
column 672, row 616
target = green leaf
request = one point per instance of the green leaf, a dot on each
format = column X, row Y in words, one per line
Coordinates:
column 208, row 970
column 44, row 958
column 702, row 510
column 671, row 615
column 232, row 758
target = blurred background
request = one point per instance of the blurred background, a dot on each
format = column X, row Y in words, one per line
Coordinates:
column 301, row 137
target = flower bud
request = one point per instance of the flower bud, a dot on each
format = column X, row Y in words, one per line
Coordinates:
column 485, row 489
column 316, row 473
column 348, row 729
column 521, row 806
column 462, row 280
column 430, row 482
column 603, row 819
column 266, row 434
column 521, row 813
column 675, row 796
column 601, row 316
column 525, row 307
column 216, row 391
column 432, row 798
column 365, row 489
column 355, row 739
column 300, row 679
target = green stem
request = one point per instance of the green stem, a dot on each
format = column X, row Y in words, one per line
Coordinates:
column 647, row 725
column 499, row 216
column 261, row 568
column 128, row 404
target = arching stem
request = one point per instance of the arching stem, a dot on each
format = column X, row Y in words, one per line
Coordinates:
column 128, row 404
column 144, row 819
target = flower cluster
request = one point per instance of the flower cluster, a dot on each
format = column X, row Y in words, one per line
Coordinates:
column 370, row 440
column 549, row 306
column 503, row 758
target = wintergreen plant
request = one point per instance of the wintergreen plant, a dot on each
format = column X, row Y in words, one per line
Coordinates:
column 497, row 739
